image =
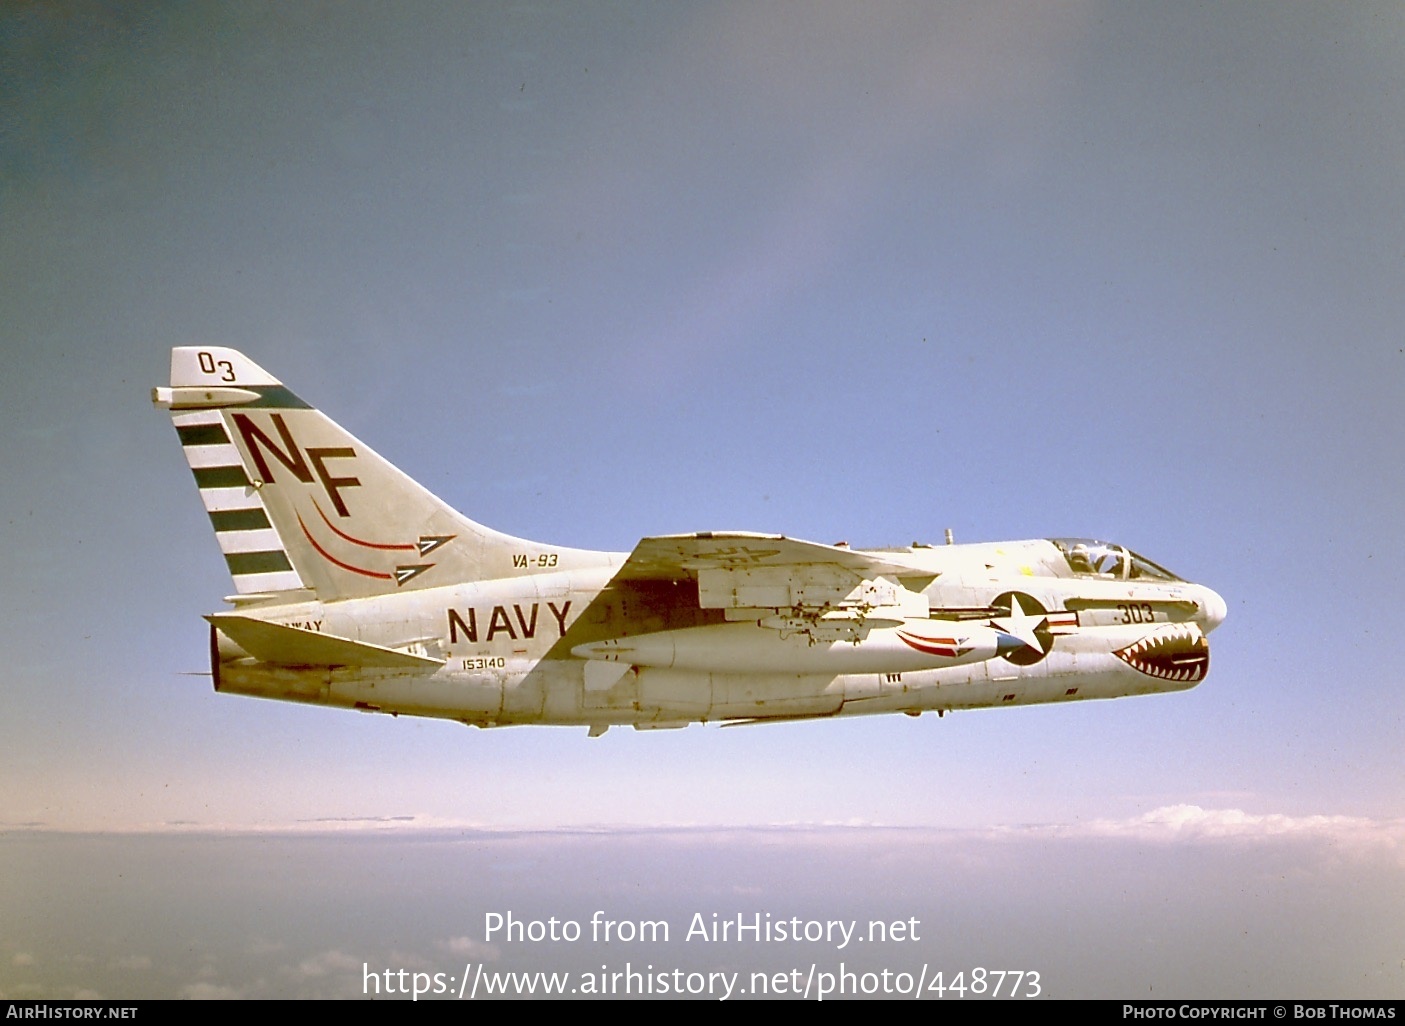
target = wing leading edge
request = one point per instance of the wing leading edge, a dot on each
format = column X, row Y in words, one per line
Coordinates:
column 683, row 556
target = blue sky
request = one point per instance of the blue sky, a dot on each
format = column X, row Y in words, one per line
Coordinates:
column 593, row 272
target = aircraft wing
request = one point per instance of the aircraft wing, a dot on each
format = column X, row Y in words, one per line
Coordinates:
column 743, row 571
column 675, row 557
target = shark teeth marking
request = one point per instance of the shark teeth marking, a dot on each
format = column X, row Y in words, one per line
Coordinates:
column 1181, row 654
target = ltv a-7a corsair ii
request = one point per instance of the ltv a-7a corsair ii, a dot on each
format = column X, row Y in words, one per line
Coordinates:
column 356, row 587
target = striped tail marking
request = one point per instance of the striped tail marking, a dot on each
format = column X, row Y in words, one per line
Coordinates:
column 252, row 549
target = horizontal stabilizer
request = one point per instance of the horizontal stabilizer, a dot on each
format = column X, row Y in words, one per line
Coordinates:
column 293, row 646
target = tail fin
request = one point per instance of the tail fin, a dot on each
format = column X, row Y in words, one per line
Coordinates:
column 300, row 505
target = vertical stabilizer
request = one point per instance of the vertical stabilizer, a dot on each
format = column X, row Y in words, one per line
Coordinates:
column 299, row 504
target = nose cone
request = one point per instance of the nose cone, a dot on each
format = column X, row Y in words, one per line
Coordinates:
column 1212, row 610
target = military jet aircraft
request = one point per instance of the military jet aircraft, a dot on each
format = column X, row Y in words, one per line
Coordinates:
column 355, row 587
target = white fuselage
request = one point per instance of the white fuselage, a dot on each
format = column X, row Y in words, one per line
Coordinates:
column 512, row 654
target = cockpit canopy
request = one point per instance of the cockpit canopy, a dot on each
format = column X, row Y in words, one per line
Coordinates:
column 1088, row 557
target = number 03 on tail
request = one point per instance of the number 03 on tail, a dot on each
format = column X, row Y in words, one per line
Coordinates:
column 355, row 587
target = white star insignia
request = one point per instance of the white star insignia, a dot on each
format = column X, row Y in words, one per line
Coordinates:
column 1021, row 625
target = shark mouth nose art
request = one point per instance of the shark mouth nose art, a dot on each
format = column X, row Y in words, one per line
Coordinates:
column 1181, row 654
